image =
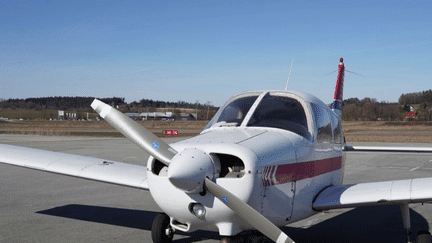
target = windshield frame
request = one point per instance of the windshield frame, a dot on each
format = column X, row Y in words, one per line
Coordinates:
column 305, row 129
column 306, row 107
column 214, row 121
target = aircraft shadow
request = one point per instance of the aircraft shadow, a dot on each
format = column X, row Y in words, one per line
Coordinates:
column 138, row 219
column 114, row 216
column 359, row 225
column 369, row 224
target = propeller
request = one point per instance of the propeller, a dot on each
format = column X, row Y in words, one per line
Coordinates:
column 247, row 213
column 192, row 170
column 135, row 132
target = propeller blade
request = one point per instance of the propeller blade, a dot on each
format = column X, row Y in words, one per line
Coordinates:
column 135, row 132
column 247, row 213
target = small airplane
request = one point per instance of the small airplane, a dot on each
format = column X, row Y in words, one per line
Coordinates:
column 265, row 160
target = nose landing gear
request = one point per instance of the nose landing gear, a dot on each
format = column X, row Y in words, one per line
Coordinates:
column 162, row 232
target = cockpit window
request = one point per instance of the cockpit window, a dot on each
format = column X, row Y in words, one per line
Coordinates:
column 280, row 112
column 234, row 113
column 236, row 110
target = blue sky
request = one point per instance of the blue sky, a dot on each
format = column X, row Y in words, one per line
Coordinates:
column 211, row 50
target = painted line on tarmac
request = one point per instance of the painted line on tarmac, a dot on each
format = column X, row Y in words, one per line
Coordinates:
column 418, row 167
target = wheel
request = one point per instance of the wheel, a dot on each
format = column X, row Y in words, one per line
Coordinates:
column 423, row 236
column 161, row 229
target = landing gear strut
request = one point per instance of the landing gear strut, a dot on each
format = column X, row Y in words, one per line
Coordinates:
column 162, row 232
column 406, row 220
column 423, row 236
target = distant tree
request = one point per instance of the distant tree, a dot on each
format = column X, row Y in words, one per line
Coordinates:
column 351, row 101
column 414, row 98
column 424, row 112
column 370, row 109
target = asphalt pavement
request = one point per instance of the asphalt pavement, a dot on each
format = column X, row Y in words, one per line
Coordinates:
column 43, row 207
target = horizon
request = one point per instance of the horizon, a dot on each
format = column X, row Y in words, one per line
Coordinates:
column 373, row 100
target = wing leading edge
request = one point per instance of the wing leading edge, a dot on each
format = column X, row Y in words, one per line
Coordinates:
column 387, row 149
column 75, row 165
column 399, row 192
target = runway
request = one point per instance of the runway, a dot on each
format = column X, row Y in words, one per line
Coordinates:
column 42, row 207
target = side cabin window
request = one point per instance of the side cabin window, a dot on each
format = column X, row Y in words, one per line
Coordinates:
column 280, row 112
column 337, row 129
column 323, row 124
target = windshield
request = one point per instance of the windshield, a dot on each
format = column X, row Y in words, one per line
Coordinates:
column 280, row 112
column 234, row 113
column 237, row 110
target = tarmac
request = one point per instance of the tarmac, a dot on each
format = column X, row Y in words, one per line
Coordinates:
column 43, row 207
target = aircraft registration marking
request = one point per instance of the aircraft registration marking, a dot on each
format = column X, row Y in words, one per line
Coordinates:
column 280, row 174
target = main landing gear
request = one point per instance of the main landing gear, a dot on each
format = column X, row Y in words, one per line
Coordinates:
column 423, row 236
column 162, row 232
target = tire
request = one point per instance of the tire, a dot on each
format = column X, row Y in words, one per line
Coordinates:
column 423, row 236
column 159, row 229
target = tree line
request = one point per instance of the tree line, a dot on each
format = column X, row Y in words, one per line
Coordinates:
column 83, row 103
column 148, row 103
column 416, row 98
column 57, row 103
column 369, row 109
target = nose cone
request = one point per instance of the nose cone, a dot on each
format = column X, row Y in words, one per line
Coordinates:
column 188, row 169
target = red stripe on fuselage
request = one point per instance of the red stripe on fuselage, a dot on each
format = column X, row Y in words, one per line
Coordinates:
column 270, row 176
column 264, row 176
column 302, row 170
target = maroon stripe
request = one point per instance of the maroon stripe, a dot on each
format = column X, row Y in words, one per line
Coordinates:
column 264, row 176
column 297, row 171
column 271, row 175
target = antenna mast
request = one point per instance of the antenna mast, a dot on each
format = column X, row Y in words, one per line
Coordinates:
column 289, row 75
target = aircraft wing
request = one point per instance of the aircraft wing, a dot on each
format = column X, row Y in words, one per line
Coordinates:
column 388, row 149
column 74, row 165
column 375, row 193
